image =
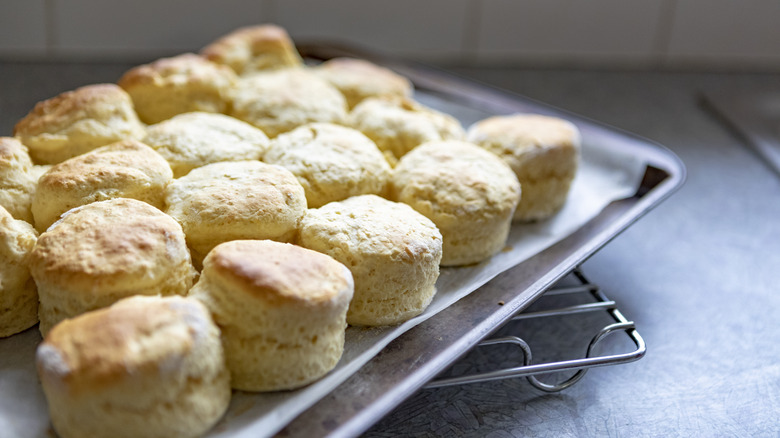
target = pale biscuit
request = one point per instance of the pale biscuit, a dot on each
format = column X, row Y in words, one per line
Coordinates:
column 282, row 310
column 358, row 79
column 399, row 125
column 78, row 121
column 543, row 152
column 282, row 100
column 125, row 169
column 176, row 85
column 39, row 169
column 195, row 139
column 17, row 179
column 145, row 366
column 102, row 252
column 469, row 193
column 254, row 48
column 331, row 162
column 18, row 296
column 235, row 200
column 392, row 251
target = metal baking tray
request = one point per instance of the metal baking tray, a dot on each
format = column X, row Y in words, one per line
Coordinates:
column 417, row 356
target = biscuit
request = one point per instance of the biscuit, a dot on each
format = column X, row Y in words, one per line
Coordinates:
column 282, row 100
column 331, row 162
column 281, row 308
column 18, row 296
column 358, row 79
column 125, row 169
column 399, row 125
column 469, row 193
column 176, row 85
column 145, row 366
column 78, row 121
column 235, row 200
column 102, row 252
column 195, row 139
column 392, row 251
column 39, row 169
column 254, row 48
column 543, row 152
column 17, row 179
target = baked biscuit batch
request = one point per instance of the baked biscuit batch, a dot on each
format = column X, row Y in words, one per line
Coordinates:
column 216, row 220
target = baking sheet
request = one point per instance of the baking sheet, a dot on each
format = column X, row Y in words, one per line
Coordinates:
column 605, row 175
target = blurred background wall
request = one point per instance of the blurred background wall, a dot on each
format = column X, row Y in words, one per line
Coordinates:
column 676, row 34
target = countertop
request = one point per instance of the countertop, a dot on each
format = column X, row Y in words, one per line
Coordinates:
column 697, row 274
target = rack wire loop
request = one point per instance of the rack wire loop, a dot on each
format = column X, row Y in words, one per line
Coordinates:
column 581, row 366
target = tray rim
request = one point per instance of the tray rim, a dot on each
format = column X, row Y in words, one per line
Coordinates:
column 665, row 174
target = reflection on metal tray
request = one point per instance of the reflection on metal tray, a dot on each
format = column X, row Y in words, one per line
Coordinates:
column 416, row 357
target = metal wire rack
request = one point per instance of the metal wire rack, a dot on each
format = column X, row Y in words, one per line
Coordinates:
column 596, row 302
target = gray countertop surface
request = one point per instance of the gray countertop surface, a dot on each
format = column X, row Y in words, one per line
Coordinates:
column 698, row 274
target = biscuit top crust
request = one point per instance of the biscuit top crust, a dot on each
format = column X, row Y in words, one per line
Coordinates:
column 117, row 244
column 281, row 272
column 282, row 100
column 136, row 337
column 359, row 79
column 368, row 225
column 400, row 124
column 98, row 101
column 521, row 140
column 236, row 194
column 452, row 179
column 254, row 48
column 194, row 139
column 118, row 165
column 332, row 162
column 187, row 68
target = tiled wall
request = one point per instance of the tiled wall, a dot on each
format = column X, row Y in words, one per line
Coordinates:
column 720, row 33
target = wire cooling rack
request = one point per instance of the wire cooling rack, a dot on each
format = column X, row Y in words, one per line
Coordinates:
column 573, row 308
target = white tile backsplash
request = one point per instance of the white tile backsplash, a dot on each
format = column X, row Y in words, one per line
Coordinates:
column 564, row 32
column 99, row 27
column 562, row 28
column 729, row 30
column 23, row 27
column 429, row 29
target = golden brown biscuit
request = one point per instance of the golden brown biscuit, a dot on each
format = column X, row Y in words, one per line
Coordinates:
column 399, row 125
column 469, row 193
column 102, row 252
column 235, row 200
column 282, row 100
column 392, row 251
column 195, row 139
column 543, row 152
column 282, row 310
column 126, row 169
column 254, row 48
column 358, row 79
column 17, row 179
column 18, row 296
column 176, row 85
column 331, row 162
column 78, row 121
column 146, row 366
